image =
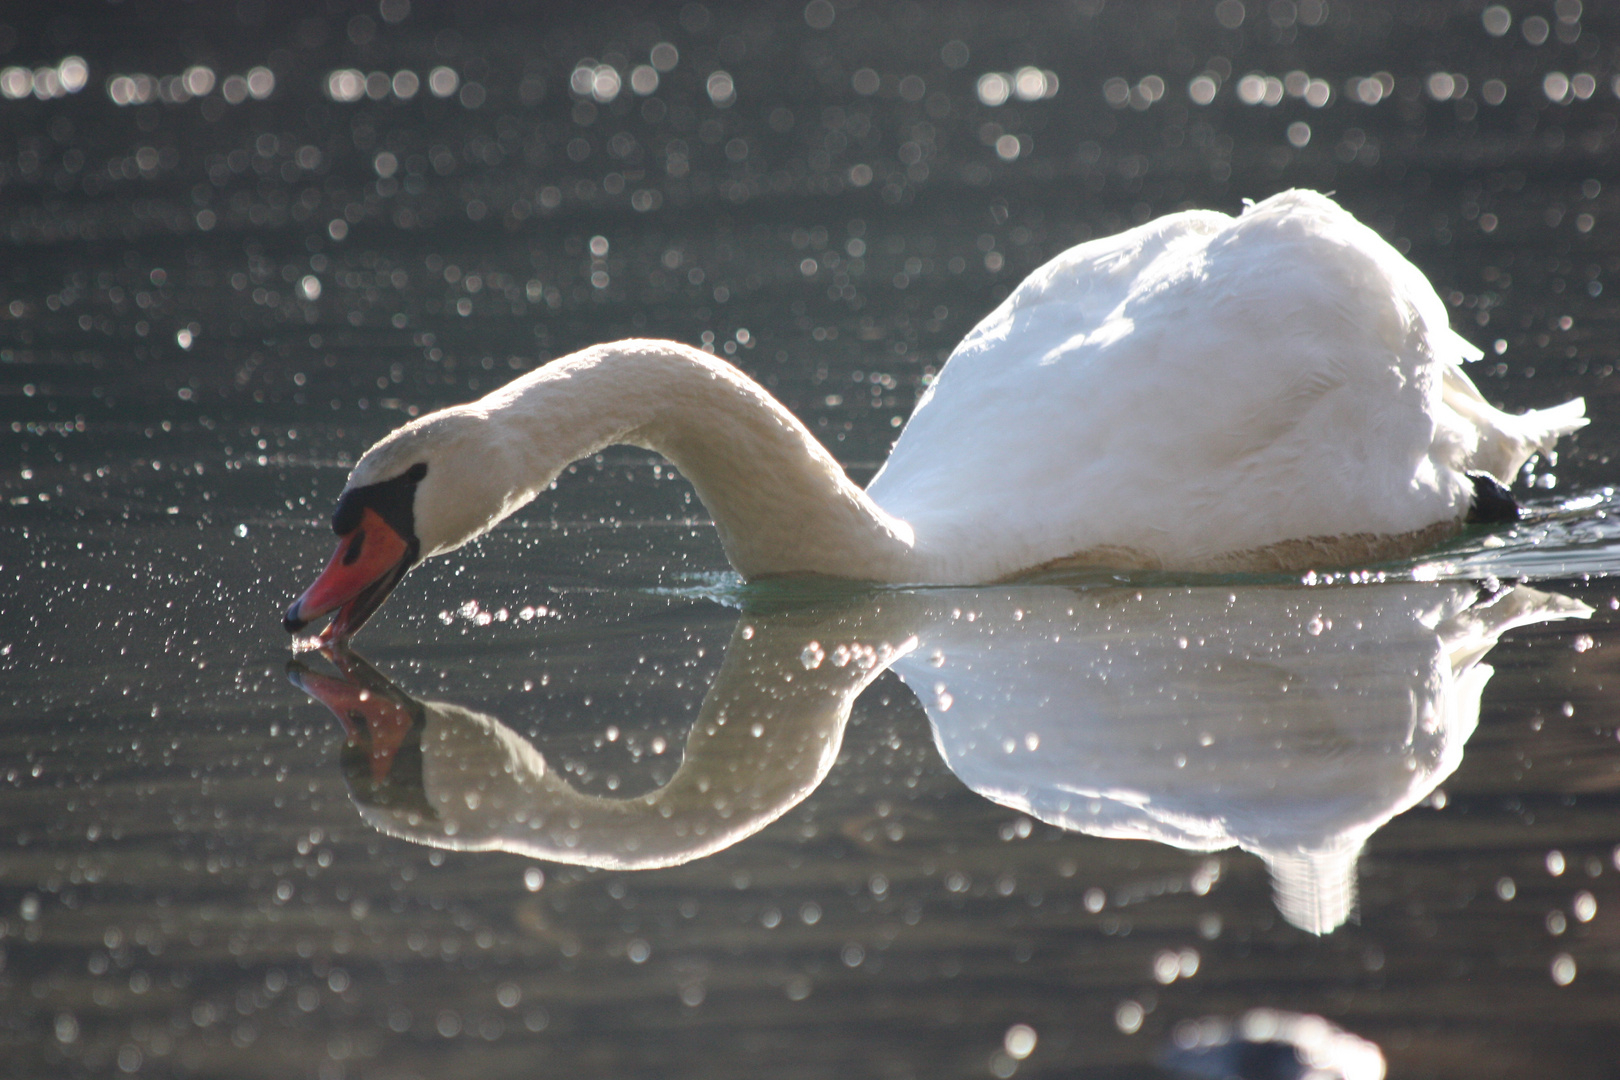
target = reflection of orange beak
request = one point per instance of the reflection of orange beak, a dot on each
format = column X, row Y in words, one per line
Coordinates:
column 372, row 719
column 368, row 563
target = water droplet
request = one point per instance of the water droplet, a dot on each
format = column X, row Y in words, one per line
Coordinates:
column 1019, row 1042
column 1563, row 969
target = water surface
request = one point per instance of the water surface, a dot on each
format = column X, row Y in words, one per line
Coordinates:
column 1124, row 813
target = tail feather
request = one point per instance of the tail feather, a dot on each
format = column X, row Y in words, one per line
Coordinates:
column 1504, row 441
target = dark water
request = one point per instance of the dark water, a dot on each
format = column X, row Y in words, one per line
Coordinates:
column 1125, row 815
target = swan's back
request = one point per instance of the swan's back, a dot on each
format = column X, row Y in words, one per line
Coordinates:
column 1198, row 387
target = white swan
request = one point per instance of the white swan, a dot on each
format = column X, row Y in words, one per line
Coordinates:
column 1273, row 391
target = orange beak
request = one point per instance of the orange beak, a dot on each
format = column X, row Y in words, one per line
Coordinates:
column 368, row 563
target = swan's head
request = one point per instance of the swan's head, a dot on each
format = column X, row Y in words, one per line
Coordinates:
column 425, row 489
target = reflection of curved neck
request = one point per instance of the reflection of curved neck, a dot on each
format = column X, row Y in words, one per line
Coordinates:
column 769, row 730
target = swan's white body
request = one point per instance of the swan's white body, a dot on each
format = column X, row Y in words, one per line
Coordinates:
column 1272, row 391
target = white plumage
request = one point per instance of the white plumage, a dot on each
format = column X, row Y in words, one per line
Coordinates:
column 1192, row 392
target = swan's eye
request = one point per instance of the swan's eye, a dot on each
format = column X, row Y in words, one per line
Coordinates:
column 357, row 546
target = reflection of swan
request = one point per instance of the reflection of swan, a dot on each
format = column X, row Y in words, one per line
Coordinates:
column 1266, row 1044
column 449, row 777
column 1200, row 393
column 1292, row 722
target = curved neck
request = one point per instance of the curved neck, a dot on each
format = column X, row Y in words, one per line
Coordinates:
column 781, row 503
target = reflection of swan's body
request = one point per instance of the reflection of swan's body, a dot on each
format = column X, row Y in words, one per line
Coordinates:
column 1274, row 391
column 1292, row 722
